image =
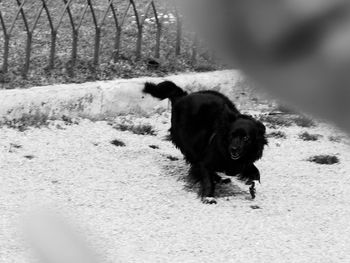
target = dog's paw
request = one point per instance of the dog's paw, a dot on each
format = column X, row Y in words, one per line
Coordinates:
column 252, row 191
column 209, row 200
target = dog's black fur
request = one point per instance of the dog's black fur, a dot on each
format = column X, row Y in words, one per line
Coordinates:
column 212, row 135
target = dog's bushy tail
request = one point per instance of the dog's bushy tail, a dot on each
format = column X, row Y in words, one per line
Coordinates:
column 164, row 90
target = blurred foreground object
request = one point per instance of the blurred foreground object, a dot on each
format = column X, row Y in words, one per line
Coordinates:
column 54, row 241
column 298, row 50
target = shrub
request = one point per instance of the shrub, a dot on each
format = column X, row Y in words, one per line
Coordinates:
column 274, row 121
column 118, row 143
column 335, row 138
column 277, row 135
column 305, row 136
column 139, row 129
column 172, row 158
column 284, row 109
column 304, row 122
column 154, row 147
column 324, row 159
column 22, row 124
column 29, row 157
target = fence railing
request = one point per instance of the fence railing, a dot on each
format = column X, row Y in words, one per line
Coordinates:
column 108, row 19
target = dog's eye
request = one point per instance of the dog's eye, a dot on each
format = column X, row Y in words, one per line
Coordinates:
column 246, row 138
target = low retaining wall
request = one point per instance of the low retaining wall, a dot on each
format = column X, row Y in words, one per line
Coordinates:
column 102, row 98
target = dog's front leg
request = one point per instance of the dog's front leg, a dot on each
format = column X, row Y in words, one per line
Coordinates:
column 207, row 184
column 253, row 174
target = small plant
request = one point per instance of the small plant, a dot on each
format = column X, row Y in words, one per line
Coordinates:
column 22, row 124
column 172, row 158
column 335, row 138
column 284, row 109
column 305, row 136
column 15, row 145
column 167, row 138
column 324, row 159
column 304, row 122
column 154, row 146
column 139, row 129
column 118, row 143
column 277, row 135
column 274, row 121
column 29, row 157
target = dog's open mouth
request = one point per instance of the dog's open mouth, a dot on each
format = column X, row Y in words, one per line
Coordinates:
column 235, row 156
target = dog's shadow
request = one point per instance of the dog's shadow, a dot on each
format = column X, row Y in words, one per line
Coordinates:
column 179, row 170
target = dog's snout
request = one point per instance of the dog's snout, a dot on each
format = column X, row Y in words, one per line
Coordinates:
column 234, row 148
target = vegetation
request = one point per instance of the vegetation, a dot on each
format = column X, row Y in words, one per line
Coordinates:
column 139, row 129
column 172, row 158
column 118, row 143
column 155, row 147
column 275, row 121
column 114, row 62
column 305, row 136
column 335, row 138
column 23, row 123
column 324, row 159
column 277, row 135
column 304, row 122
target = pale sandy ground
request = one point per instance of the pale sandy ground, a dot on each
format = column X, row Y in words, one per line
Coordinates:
column 132, row 206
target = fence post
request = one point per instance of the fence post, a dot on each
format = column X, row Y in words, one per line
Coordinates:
column 7, row 34
column 139, row 30
column 116, row 52
column 6, row 44
column 139, row 43
column 75, row 35
column 53, row 49
column 6, row 53
column 28, row 51
column 159, row 31
column 53, row 36
column 30, row 40
column 194, row 50
column 178, row 33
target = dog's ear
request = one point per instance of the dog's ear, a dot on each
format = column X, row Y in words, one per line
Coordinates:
column 261, row 131
column 261, row 127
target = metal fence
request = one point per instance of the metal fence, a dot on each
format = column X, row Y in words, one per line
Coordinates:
column 109, row 21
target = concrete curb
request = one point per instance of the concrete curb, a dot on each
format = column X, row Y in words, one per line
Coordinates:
column 102, row 98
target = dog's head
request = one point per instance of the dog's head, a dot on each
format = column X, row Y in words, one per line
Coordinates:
column 246, row 138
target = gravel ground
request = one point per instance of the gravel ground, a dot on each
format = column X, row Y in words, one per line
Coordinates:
column 131, row 203
column 133, row 206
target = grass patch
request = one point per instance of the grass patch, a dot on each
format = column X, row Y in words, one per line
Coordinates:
column 172, row 158
column 255, row 207
column 284, row 109
column 154, row 147
column 167, row 138
column 274, row 121
column 335, row 138
column 324, row 159
column 15, row 145
column 279, row 120
column 27, row 121
column 29, row 157
column 305, row 122
column 139, row 129
column 305, row 136
column 277, row 135
column 118, row 143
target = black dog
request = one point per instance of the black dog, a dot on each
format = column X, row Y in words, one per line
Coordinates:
column 213, row 136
